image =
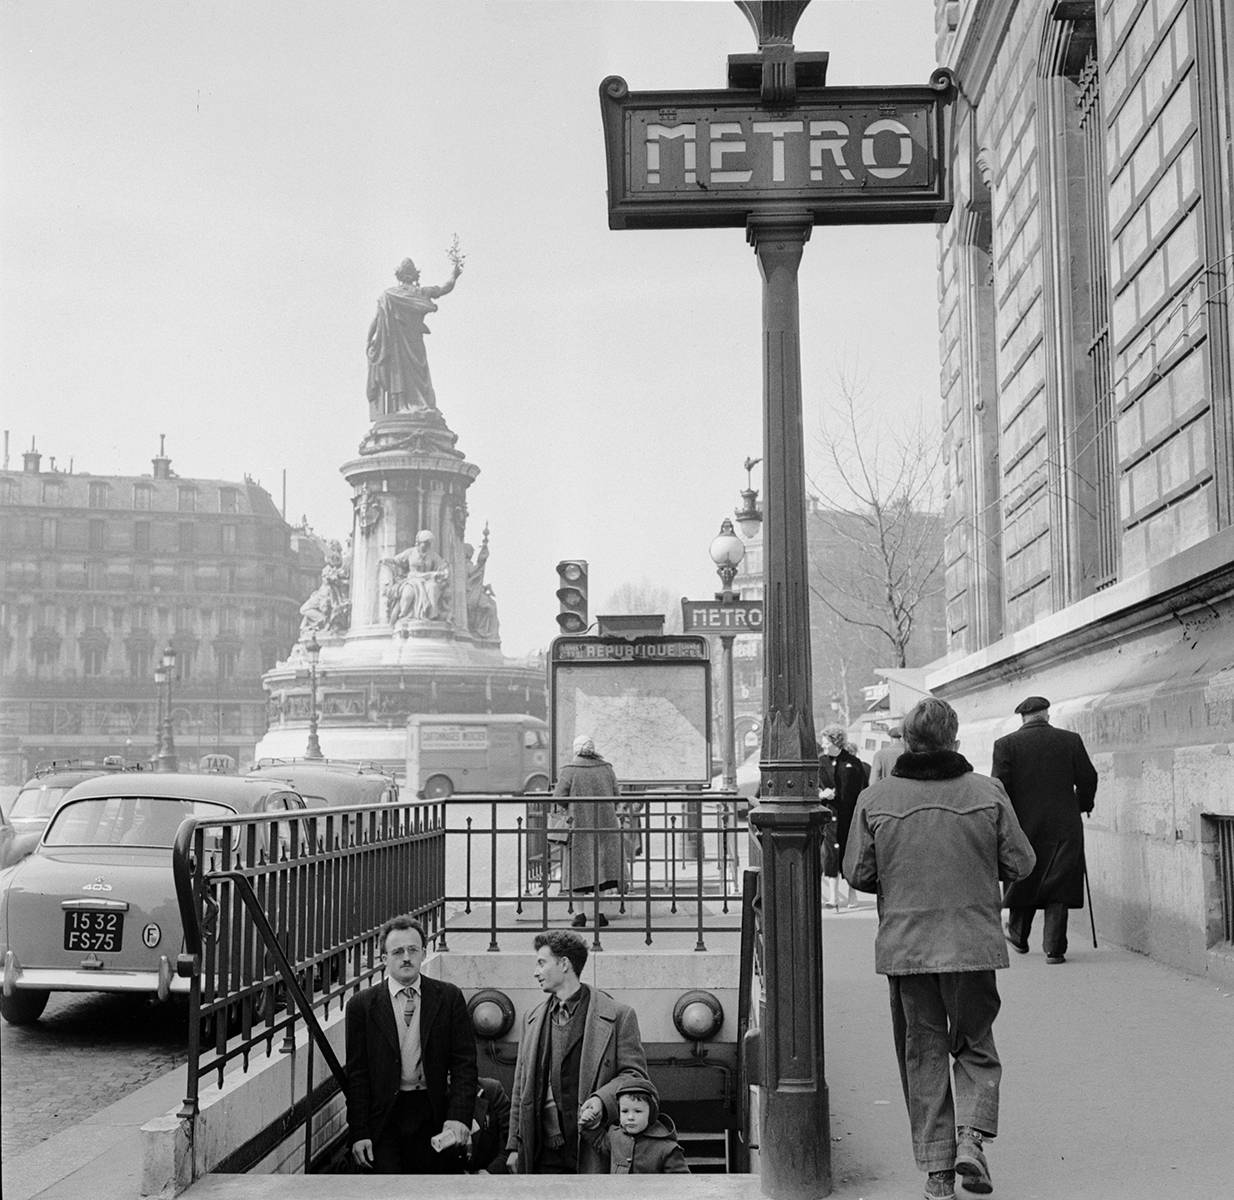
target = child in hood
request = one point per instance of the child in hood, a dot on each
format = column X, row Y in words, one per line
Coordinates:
column 644, row 1141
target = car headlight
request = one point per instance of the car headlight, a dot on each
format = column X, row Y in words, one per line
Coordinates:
column 698, row 1015
column 491, row 1013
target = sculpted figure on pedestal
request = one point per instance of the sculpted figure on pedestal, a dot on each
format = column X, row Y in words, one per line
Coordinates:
column 420, row 583
column 481, row 602
column 398, row 374
column 328, row 609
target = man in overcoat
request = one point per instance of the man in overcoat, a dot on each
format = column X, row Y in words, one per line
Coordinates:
column 934, row 840
column 411, row 1063
column 575, row 1051
column 1051, row 781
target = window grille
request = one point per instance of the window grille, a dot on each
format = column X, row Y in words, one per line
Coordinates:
column 1089, row 103
column 1224, row 827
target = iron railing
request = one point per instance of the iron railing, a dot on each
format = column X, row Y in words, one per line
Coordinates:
column 282, row 911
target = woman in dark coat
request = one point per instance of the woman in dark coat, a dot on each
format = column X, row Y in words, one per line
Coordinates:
column 841, row 778
column 595, row 855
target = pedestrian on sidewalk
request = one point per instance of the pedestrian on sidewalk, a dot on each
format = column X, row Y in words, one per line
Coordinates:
column 887, row 756
column 595, row 853
column 1051, row 780
column 841, row 777
column 933, row 841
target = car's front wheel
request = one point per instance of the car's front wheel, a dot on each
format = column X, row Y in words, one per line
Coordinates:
column 24, row 1007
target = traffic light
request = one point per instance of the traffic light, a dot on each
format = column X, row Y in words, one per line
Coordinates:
column 572, row 594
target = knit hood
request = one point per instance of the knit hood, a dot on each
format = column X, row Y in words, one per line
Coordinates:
column 644, row 1087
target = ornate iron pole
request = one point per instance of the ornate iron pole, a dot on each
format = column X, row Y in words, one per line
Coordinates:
column 795, row 1141
column 312, row 651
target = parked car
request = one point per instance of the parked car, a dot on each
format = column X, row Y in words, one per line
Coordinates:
column 40, row 795
column 93, row 907
column 324, row 783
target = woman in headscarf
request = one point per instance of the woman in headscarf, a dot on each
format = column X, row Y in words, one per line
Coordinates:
column 594, row 857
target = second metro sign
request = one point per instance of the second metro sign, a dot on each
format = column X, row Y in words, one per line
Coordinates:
column 845, row 155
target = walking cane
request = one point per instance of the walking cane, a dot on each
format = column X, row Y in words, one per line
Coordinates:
column 1088, row 892
column 1091, row 919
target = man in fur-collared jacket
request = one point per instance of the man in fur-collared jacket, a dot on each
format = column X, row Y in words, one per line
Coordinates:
column 933, row 841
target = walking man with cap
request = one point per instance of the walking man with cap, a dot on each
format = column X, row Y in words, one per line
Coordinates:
column 1050, row 779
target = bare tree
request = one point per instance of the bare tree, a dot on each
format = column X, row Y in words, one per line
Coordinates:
column 882, row 521
column 645, row 597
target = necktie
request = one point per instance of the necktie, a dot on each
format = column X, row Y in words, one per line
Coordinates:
column 409, row 1005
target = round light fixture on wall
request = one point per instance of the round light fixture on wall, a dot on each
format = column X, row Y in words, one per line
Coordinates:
column 698, row 1015
column 491, row 1013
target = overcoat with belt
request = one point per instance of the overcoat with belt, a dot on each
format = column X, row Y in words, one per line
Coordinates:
column 374, row 1062
column 1050, row 780
column 611, row 1054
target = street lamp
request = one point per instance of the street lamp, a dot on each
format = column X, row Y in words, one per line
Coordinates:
column 312, row 651
column 167, row 743
column 749, row 515
column 727, row 551
column 160, row 678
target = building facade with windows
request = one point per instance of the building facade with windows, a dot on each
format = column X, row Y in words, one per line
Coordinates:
column 1086, row 330
column 101, row 573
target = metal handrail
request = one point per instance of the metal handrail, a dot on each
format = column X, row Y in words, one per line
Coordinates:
column 287, row 902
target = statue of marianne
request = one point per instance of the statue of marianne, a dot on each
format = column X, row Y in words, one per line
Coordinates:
column 398, row 374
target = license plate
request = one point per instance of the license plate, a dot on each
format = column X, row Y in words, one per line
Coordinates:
column 88, row 930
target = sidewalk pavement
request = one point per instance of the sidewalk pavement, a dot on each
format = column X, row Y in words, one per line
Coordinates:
column 1116, row 1086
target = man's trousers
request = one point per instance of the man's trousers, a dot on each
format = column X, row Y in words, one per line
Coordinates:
column 1054, row 937
column 944, row 1022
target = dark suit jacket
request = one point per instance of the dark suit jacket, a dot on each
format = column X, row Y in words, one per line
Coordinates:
column 1050, row 780
column 490, row 1128
column 448, row 1049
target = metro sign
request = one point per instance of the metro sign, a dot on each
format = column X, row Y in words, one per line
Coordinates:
column 845, row 155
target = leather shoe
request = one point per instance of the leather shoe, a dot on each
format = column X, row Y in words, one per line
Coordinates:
column 1055, row 959
column 971, row 1166
column 580, row 919
column 603, row 920
column 1018, row 947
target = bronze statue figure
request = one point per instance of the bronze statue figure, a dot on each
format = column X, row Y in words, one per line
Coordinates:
column 398, row 374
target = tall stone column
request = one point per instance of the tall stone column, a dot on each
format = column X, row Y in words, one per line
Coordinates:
column 795, row 1143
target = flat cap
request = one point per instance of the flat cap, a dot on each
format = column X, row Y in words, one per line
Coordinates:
column 1031, row 705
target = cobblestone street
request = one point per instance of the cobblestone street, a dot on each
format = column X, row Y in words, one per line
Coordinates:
column 86, row 1052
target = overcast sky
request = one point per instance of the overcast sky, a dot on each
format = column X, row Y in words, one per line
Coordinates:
column 203, row 201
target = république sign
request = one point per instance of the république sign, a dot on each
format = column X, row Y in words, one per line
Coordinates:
column 846, row 155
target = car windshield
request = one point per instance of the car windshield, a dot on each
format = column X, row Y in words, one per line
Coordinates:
column 126, row 821
column 38, row 801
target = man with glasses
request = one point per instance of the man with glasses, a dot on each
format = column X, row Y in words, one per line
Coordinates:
column 411, row 1065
